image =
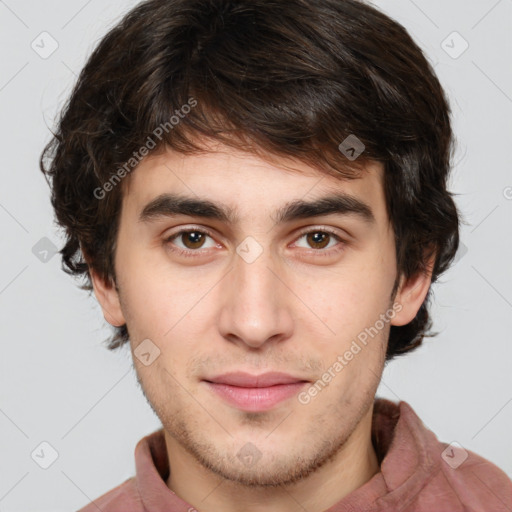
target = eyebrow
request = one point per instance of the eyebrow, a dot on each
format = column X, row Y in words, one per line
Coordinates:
column 171, row 205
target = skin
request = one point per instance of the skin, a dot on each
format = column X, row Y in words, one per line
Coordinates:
column 290, row 310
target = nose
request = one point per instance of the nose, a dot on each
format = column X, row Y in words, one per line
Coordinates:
column 256, row 303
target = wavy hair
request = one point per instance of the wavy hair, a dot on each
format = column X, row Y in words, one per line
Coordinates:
column 292, row 78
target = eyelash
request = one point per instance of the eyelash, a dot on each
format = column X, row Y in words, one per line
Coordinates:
column 197, row 253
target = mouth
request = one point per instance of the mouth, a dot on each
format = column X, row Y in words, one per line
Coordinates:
column 255, row 393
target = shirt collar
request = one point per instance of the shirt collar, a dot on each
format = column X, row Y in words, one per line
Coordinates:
column 401, row 441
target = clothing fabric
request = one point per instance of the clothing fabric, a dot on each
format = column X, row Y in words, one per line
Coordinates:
column 418, row 473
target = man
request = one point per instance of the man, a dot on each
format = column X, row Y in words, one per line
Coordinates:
column 256, row 193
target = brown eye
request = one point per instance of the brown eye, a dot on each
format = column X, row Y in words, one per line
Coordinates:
column 318, row 239
column 192, row 239
column 190, row 242
column 322, row 242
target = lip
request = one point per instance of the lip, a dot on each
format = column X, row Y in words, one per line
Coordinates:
column 247, row 380
column 255, row 393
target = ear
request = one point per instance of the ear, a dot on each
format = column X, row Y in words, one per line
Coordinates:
column 411, row 294
column 108, row 298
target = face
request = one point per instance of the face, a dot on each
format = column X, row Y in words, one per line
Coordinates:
column 256, row 286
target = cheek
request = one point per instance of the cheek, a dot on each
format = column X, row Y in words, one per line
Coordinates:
column 349, row 303
column 351, row 298
column 154, row 297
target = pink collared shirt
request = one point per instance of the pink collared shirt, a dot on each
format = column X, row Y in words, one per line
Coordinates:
column 418, row 473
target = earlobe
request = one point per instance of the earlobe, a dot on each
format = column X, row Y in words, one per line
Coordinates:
column 411, row 295
column 108, row 297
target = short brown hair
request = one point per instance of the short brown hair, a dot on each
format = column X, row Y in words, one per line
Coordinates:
column 287, row 77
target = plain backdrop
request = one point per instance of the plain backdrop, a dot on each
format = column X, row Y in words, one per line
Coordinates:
column 60, row 385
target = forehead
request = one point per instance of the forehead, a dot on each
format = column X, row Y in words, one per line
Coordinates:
column 245, row 183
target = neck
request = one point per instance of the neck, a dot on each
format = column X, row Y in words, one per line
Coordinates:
column 351, row 467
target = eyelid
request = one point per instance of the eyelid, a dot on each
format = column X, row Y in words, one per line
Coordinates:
column 326, row 229
column 338, row 248
column 307, row 230
column 188, row 229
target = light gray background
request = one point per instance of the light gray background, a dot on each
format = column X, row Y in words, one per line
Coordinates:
column 60, row 385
